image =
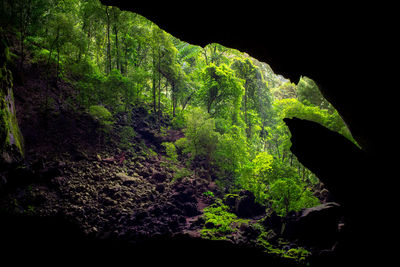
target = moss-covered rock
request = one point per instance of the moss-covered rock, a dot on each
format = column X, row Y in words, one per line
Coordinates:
column 11, row 140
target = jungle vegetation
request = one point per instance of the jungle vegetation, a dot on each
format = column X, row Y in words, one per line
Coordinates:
column 229, row 106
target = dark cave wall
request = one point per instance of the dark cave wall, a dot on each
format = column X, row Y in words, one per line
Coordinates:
column 348, row 50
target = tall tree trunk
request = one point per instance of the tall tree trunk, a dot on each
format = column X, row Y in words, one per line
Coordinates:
column 159, row 98
column 159, row 86
column 174, row 100
column 116, row 47
column 88, row 37
column 124, row 70
column 25, row 14
column 154, row 82
column 108, row 67
column 173, row 97
column 58, row 65
column 277, row 149
column 245, row 112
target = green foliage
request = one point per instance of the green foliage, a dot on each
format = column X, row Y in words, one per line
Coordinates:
column 178, row 122
column 209, row 194
column 300, row 255
column 170, row 150
column 286, row 195
column 262, row 164
column 219, row 222
column 200, row 133
column 285, row 91
column 230, row 155
column 309, row 94
column 255, row 176
column 181, row 172
column 115, row 86
column 101, row 114
column 221, row 92
column 255, row 90
column 229, row 106
column 149, row 153
column 10, row 134
column 127, row 134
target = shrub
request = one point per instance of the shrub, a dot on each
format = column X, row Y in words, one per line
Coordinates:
column 200, row 133
column 178, row 122
column 101, row 114
column 286, row 195
column 126, row 134
column 170, row 150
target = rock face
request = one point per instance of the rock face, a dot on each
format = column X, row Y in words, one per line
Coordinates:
column 11, row 141
column 316, row 226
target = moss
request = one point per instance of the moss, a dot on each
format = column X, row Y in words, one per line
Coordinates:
column 298, row 254
column 219, row 222
column 10, row 134
column 101, row 114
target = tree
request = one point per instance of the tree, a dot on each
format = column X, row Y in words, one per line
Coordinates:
column 164, row 64
column 214, row 54
column 255, row 176
column 246, row 70
column 286, row 195
column 29, row 14
column 191, row 67
column 231, row 155
column 108, row 19
column 91, row 14
column 116, row 23
column 221, row 92
column 201, row 139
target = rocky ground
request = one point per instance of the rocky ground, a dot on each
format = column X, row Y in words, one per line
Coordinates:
column 130, row 200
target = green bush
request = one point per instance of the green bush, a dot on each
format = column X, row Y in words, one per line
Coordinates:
column 101, row 114
column 178, row 122
column 200, row 133
column 170, row 150
column 208, row 194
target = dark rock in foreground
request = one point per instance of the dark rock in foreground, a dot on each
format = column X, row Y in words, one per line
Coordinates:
column 316, row 226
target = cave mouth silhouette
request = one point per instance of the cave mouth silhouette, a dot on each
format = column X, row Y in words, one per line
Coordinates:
column 341, row 47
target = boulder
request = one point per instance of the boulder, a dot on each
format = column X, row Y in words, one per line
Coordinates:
column 244, row 204
column 273, row 221
column 190, row 209
column 159, row 176
column 316, row 226
column 127, row 180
